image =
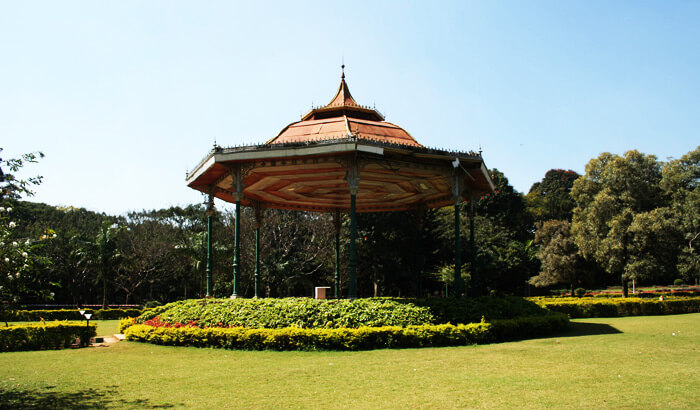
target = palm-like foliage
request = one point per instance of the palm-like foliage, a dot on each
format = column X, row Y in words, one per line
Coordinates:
column 100, row 255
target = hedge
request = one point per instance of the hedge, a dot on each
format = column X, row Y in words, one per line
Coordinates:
column 362, row 338
column 469, row 310
column 609, row 307
column 46, row 335
column 290, row 312
column 66, row 314
column 312, row 313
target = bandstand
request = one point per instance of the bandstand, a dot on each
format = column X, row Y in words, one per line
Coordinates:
column 339, row 158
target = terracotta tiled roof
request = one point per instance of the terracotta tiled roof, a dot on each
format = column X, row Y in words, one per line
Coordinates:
column 343, row 117
column 343, row 96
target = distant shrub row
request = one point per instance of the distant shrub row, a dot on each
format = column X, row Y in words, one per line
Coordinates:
column 613, row 307
column 66, row 314
column 48, row 335
column 362, row 338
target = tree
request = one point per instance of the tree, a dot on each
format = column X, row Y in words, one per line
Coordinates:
column 614, row 191
column 18, row 254
column 506, row 207
column 101, row 255
column 551, row 197
column 681, row 182
column 504, row 256
column 558, row 255
column 72, row 280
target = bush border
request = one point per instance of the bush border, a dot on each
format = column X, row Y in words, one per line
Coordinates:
column 610, row 307
column 45, row 335
column 66, row 314
column 362, row 338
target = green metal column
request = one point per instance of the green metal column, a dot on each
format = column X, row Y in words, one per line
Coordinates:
column 336, row 277
column 352, row 265
column 257, row 260
column 419, row 252
column 475, row 288
column 236, row 247
column 209, row 252
column 458, row 253
column 258, row 223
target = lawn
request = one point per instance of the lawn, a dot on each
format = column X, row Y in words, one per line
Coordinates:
column 630, row 362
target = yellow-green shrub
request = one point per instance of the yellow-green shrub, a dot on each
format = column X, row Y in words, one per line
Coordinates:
column 45, row 335
column 613, row 307
column 125, row 323
column 362, row 338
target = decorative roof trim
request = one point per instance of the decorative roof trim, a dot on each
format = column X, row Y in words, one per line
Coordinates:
column 343, row 144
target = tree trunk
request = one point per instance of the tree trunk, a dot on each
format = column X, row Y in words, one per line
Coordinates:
column 572, row 289
column 625, row 287
column 104, row 294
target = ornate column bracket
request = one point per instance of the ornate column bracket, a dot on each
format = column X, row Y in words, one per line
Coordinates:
column 352, row 175
column 457, row 185
column 238, row 175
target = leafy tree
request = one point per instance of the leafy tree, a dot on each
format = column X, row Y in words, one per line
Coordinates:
column 101, row 255
column 654, row 240
column 504, row 256
column 551, row 197
column 614, row 191
column 558, row 255
column 681, row 181
column 295, row 255
column 66, row 222
column 12, row 187
column 506, row 207
column 18, row 254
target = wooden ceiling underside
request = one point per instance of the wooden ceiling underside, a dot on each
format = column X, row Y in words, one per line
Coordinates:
column 323, row 187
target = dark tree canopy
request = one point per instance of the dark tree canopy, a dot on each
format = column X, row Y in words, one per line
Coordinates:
column 551, row 197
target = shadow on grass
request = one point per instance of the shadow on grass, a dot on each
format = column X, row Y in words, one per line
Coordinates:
column 83, row 399
column 576, row 329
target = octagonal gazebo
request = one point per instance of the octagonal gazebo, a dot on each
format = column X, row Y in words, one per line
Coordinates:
column 339, row 158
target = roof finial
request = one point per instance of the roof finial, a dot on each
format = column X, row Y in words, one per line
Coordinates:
column 342, row 68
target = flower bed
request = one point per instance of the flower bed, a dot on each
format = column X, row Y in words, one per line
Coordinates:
column 309, row 324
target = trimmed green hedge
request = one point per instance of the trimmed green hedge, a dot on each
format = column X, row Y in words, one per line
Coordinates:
column 470, row 310
column 362, row 338
column 47, row 335
column 289, row 312
column 330, row 314
column 66, row 314
column 609, row 307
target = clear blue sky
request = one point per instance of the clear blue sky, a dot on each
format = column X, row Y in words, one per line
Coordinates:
column 125, row 97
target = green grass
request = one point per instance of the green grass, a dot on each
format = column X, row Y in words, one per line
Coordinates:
column 628, row 362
